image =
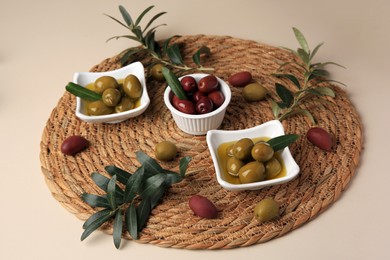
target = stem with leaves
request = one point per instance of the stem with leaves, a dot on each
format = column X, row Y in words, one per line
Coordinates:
column 313, row 75
column 167, row 54
column 133, row 204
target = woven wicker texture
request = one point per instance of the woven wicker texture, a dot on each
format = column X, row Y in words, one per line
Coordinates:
column 323, row 177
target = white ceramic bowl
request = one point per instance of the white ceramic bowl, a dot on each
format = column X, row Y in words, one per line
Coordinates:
column 85, row 78
column 199, row 124
column 269, row 129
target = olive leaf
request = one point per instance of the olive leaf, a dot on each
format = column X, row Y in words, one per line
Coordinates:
column 198, row 53
column 121, row 175
column 150, row 165
column 281, row 142
column 285, row 95
column 81, row 92
column 275, row 108
column 143, row 212
column 174, row 83
column 95, row 216
column 290, row 77
column 96, row 200
column 131, row 221
column 174, row 54
column 126, row 16
column 301, row 40
column 96, row 223
column 118, row 224
column 184, row 162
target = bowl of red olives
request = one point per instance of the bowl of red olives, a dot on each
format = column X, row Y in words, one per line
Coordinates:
column 203, row 107
column 244, row 160
column 121, row 94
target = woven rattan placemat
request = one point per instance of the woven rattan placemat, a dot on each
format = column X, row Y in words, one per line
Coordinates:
column 323, row 177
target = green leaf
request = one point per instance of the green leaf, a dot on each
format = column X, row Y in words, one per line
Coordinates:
column 152, row 184
column 285, row 95
column 156, row 196
column 153, row 19
column 142, row 15
column 116, row 20
column 306, row 113
column 96, row 216
column 280, row 142
column 304, row 56
column 174, row 54
column 102, row 182
column 96, row 224
column 111, row 190
column 131, row 221
column 325, row 91
column 301, row 40
column 143, row 211
column 122, row 175
column 95, row 200
column 320, row 72
column 174, row 83
column 151, row 165
column 184, row 165
column 138, row 33
column 123, row 36
column 315, row 50
column 172, row 178
column 166, row 44
column 126, row 16
column 150, row 41
column 322, row 65
column 118, row 225
column 290, row 77
column 82, row 92
column 134, row 184
column 202, row 50
column 275, row 109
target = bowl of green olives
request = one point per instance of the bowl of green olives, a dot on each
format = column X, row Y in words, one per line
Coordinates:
column 123, row 94
column 207, row 98
column 243, row 160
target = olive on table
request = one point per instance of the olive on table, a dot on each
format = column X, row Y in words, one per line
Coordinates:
column 98, row 108
column 111, row 97
column 132, row 87
column 242, row 149
column 183, row 105
column 156, row 72
column 262, row 152
column 189, row 84
column 104, row 83
column 233, row 165
column 165, row 151
column 267, row 209
column 125, row 104
column 204, row 105
column 252, row 172
column 208, row 84
column 254, row 92
column 272, row 168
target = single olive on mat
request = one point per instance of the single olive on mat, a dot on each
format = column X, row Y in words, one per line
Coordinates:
column 240, row 79
column 74, row 144
column 254, row 92
column 320, row 138
column 165, row 151
column 203, row 207
column 267, row 209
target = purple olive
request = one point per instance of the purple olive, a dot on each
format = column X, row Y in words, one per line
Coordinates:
column 208, row 84
column 204, row 105
column 185, row 106
column 189, row 84
column 217, row 98
column 198, row 95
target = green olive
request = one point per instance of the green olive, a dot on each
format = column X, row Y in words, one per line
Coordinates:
column 165, row 151
column 124, row 104
column 252, row 172
column 272, row 168
column 132, row 87
column 104, row 83
column 156, row 72
column 233, row 165
column 111, row 97
column 262, row 152
column 229, row 150
column 98, row 108
column 267, row 209
column 242, row 149
column 254, row 92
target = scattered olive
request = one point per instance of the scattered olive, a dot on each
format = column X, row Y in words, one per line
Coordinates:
column 262, row 152
column 156, row 72
column 240, row 79
column 272, row 168
column 111, row 97
column 132, row 87
column 267, row 209
column 252, row 172
column 74, row 144
column 165, row 151
column 203, row 207
column 242, row 149
column 320, row 138
column 105, row 82
column 254, row 92
column 233, row 165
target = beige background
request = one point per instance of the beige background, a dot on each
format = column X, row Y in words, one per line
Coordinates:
column 44, row 42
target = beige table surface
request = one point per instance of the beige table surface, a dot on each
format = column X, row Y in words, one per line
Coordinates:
column 44, row 42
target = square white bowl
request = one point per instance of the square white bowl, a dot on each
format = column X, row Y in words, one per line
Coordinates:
column 199, row 124
column 269, row 129
column 85, row 78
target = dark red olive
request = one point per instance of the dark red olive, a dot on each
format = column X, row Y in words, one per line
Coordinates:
column 208, row 84
column 74, row 144
column 217, row 98
column 198, row 95
column 189, row 84
column 204, row 105
column 185, row 106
